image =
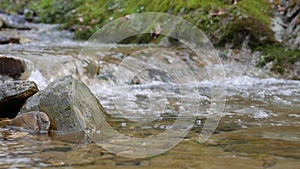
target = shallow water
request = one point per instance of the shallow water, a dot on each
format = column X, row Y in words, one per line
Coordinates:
column 259, row 127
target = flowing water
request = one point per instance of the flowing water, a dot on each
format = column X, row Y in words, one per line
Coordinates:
column 258, row 129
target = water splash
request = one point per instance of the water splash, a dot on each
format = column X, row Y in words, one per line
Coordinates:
column 38, row 78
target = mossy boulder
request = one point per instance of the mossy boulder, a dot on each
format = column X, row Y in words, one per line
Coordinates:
column 69, row 104
column 245, row 30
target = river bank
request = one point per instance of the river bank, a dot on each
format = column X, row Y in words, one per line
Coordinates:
column 268, row 27
column 258, row 128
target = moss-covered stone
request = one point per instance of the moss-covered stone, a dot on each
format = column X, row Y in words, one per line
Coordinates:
column 240, row 29
column 69, row 104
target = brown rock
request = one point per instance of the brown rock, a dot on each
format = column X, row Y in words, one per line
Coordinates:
column 11, row 67
column 9, row 36
column 36, row 121
column 4, row 122
column 13, row 95
column 4, row 40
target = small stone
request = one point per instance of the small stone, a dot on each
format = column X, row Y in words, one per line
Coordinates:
column 9, row 66
column 9, row 37
column 36, row 121
column 4, row 40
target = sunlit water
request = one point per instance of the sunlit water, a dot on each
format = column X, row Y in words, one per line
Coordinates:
column 259, row 128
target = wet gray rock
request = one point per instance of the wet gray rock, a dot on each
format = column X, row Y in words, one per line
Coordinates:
column 13, row 95
column 293, row 72
column 36, row 121
column 11, row 67
column 69, row 104
column 4, row 39
column 291, row 18
column 14, row 21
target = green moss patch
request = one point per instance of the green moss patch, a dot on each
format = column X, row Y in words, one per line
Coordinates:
column 280, row 56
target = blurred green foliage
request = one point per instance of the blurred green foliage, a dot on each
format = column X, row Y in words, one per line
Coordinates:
column 87, row 16
column 279, row 55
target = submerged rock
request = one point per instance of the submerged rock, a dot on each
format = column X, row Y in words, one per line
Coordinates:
column 36, row 121
column 11, row 67
column 69, row 104
column 282, row 141
column 13, row 95
column 4, row 122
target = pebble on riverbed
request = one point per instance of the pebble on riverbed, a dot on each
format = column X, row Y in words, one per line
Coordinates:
column 35, row 120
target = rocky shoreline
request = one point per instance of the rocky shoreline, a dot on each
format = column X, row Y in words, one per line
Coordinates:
column 12, row 21
column 59, row 107
column 269, row 27
column 65, row 106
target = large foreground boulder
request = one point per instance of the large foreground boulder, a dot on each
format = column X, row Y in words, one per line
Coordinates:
column 13, row 95
column 69, row 104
